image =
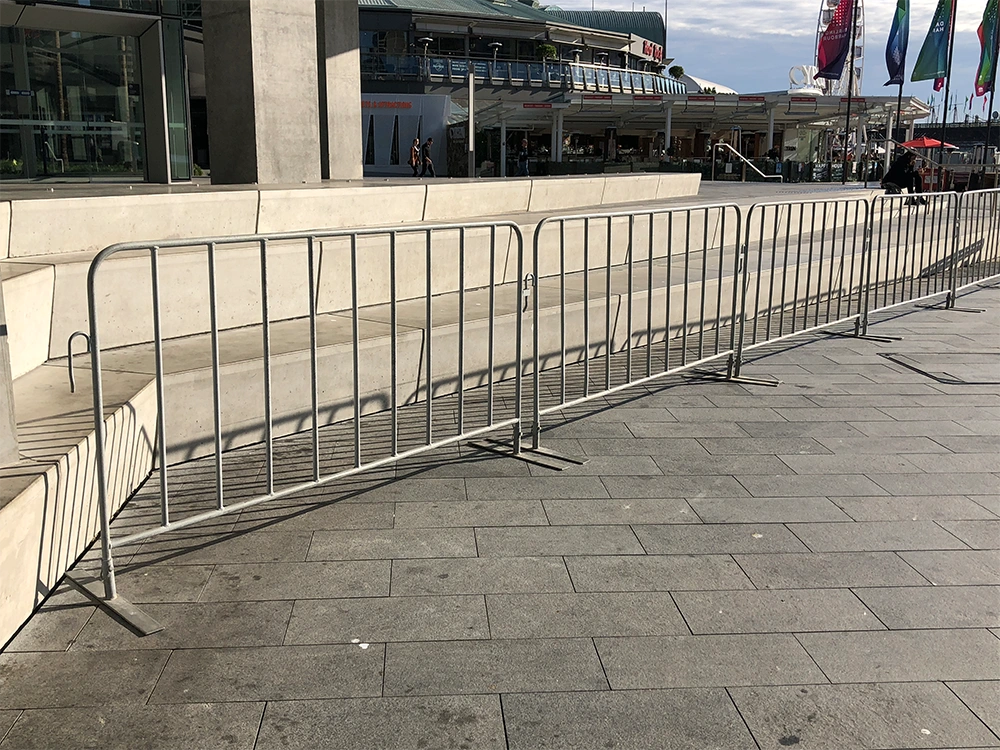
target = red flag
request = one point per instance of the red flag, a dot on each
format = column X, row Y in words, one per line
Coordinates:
column 835, row 44
column 938, row 84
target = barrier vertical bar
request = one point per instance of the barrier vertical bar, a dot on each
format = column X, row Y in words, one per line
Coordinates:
column 161, row 430
column 722, row 260
column 355, row 351
column 784, row 267
column 586, row 307
column 704, row 287
column 562, row 310
column 774, row 258
column 809, row 265
column 607, row 310
column 536, row 365
column 687, row 286
column 670, row 270
column 313, row 366
column 630, row 268
column 833, row 258
column 492, row 326
column 649, row 301
column 213, row 306
column 393, row 349
column 760, row 263
column 100, row 459
column 819, row 268
column 461, row 330
column 798, row 265
column 428, row 336
column 266, row 336
column 955, row 260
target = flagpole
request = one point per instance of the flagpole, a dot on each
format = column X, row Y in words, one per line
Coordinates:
column 993, row 90
column 850, row 84
column 947, row 90
column 899, row 111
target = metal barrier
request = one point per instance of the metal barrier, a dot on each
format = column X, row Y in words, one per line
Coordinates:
column 911, row 249
column 802, row 269
column 977, row 239
column 420, row 266
column 663, row 276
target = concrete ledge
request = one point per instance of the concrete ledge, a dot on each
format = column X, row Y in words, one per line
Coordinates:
column 335, row 208
column 4, row 229
column 466, row 200
column 27, row 295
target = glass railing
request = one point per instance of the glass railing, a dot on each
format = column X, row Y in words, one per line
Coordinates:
column 548, row 74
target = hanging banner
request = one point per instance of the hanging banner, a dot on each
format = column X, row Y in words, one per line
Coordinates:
column 835, row 44
column 895, row 48
column 988, row 31
column 932, row 62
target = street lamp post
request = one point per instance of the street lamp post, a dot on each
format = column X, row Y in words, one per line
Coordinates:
column 426, row 40
column 495, row 46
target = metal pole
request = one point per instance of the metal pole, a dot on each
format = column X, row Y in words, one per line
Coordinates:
column 850, row 85
column 993, row 90
column 503, row 148
column 899, row 112
column 947, row 93
column 472, row 123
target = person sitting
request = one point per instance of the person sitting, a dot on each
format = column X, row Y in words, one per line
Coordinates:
column 904, row 174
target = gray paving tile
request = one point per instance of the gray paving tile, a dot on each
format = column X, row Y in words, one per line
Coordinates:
column 981, row 426
column 937, row 484
column 956, row 463
column 725, row 464
column 762, row 399
column 983, row 698
column 763, row 446
column 384, row 544
column 745, row 413
column 568, row 512
column 818, row 485
column 958, row 567
column 656, row 573
column 204, row 675
column 301, row 516
column 410, row 618
column 871, row 536
column 588, row 429
column 885, row 445
column 527, row 541
column 498, row 575
column 834, row 414
column 583, row 615
column 671, row 430
column 471, row 721
column 835, row 717
column 850, row 463
column 705, row 661
column 928, row 428
column 970, row 443
column 788, row 611
column 198, row 625
column 631, row 412
column 163, row 582
column 459, row 466
column 641, row 447
column 713, row 539
column 919, row 508
column 51, row 628
column 977, row 534
column 674, row 486
column 767, row 510
column 67, row 679
column 7, row 719
column 226, row 726
column 307, row 580
column 952, row 411
column 195, row 548
column 606, row 466
column 935, row 606
column 535, row 488
column 905, row 655
column 411, row 489
column 830, row 570
column 509, row 666
column 637, row 720
column 826, row 429
column 989, row 502
column 460, row 513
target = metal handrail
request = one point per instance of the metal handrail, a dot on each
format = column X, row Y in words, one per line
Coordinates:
column 746, row 163
column 69, row 356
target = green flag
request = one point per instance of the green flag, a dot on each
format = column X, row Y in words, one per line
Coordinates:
column 988, row 30
column 932, row 62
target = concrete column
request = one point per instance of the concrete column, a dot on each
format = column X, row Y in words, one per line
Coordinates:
column 770, row 129
column 668, row 127
column 154, row 104
column 341, row 146
column 503, row 148
column 8, row 425
column 554, row 138
column 262, row 87
column 559, row 136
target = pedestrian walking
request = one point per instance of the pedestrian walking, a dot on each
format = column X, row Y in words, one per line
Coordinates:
column 904, row 174
column 425, row 153
column 414, row 161
column 522, row 160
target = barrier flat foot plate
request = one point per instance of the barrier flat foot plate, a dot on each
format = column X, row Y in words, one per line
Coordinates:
column 121, row 609
column 537, row 456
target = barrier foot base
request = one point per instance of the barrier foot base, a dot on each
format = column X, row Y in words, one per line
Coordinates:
column 737, row 379
column 864, row 337
column 537, row 456
column 944, row 306
column 121, row 609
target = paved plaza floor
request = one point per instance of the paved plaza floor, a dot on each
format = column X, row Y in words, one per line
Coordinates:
column 813, row 565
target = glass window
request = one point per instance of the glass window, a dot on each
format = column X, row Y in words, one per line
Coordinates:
column 177, row 120
column 70, row 103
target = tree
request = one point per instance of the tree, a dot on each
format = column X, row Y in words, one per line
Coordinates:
column 676, row 71
column 547, row 51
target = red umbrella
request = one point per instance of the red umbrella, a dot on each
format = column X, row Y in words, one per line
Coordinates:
column 925, row 142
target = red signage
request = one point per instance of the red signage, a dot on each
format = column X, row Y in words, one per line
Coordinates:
column 753, row 99
column 601, row 97
column 533, row 105
column 809, row 99
column 647, row 98
column 652, row 50
column 857, row 100
column 700, row 98
column 368, row 104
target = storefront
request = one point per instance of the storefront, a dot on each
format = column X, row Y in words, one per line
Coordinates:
column 93, row 90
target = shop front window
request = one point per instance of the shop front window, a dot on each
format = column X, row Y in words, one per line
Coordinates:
column 70, row 104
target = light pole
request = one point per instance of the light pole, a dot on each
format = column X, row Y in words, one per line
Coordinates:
column 426, row 40
column 495, row 46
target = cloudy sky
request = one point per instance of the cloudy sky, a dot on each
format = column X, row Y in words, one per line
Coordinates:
column 751, row 46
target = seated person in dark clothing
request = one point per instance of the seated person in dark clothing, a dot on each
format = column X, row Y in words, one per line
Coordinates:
column 903, row 174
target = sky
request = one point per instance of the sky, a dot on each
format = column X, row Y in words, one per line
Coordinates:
column 750, row 45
